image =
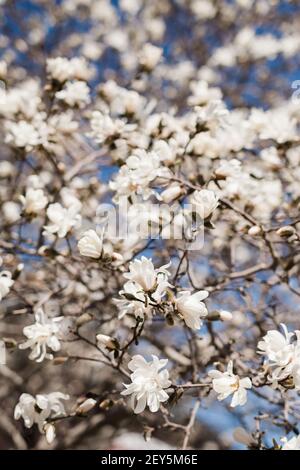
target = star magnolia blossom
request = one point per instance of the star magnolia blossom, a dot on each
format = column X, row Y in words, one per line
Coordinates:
column 277, row 347
column 148, row 383
column 143, row 273
column 150, row 56
column 128, row 304
column 5, row 283
column 62, row 69
column 104, row 127
column 105, row 341
column 22, row 134
column 90, row 244
column 282, row 354
column 191, row 309
column 227, row 383
column 75, row 94
column 146, row 286
column 34, row 201
column 62, row 219
column 205, row 202
column 59, row 68
column 36, row 410
column 42, row 334
column 135, row 176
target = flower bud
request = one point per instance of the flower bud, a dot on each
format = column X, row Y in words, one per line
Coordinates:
column 90, row 245
column 6, row 169
column 86, row 406
column 150, row 56
column 225, row 315
column 107, row 342
column 254, row 230
column 84, row 318
column 49, row 433
column 171, row 193
column 217, row 315
column 11, row 211
column 117, row 257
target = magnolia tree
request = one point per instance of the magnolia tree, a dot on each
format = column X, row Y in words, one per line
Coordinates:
column 149, row 210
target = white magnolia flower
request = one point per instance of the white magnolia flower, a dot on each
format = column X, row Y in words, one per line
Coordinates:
column 34, row 201
column 282, row 353
column 59, row 68
column 167, row 151
column 227, row 383
column 228, row 168
column 291, row 444
column 279, row 126
column 6, row 282
column 36, row 410
column 135, row 176
column 26, row 409
column 202, row 93
column 62, row 69
column 62, row 124
column 7, row 169
column 23, row 100
column 150, row 56
column 80, row 69
column 42, row 335
column 143, row 273
column 277, row 347
column 121, row 100
column 90, row 244
column 69, row 199
column 62, row 219
column 131, row 6
column 191, row 309
column 22, row 134
column 148, row 383
column 104, row 127
column 205, row 202
column 133, row 301
column 74, row 94
column 204, row 9
column 213, row 116
column 106, row 342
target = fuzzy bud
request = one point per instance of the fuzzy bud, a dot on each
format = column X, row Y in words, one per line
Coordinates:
column 254, row 230
column 286, row 231
column 86, row 406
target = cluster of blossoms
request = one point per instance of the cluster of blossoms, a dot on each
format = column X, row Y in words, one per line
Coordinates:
column 146, row 289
